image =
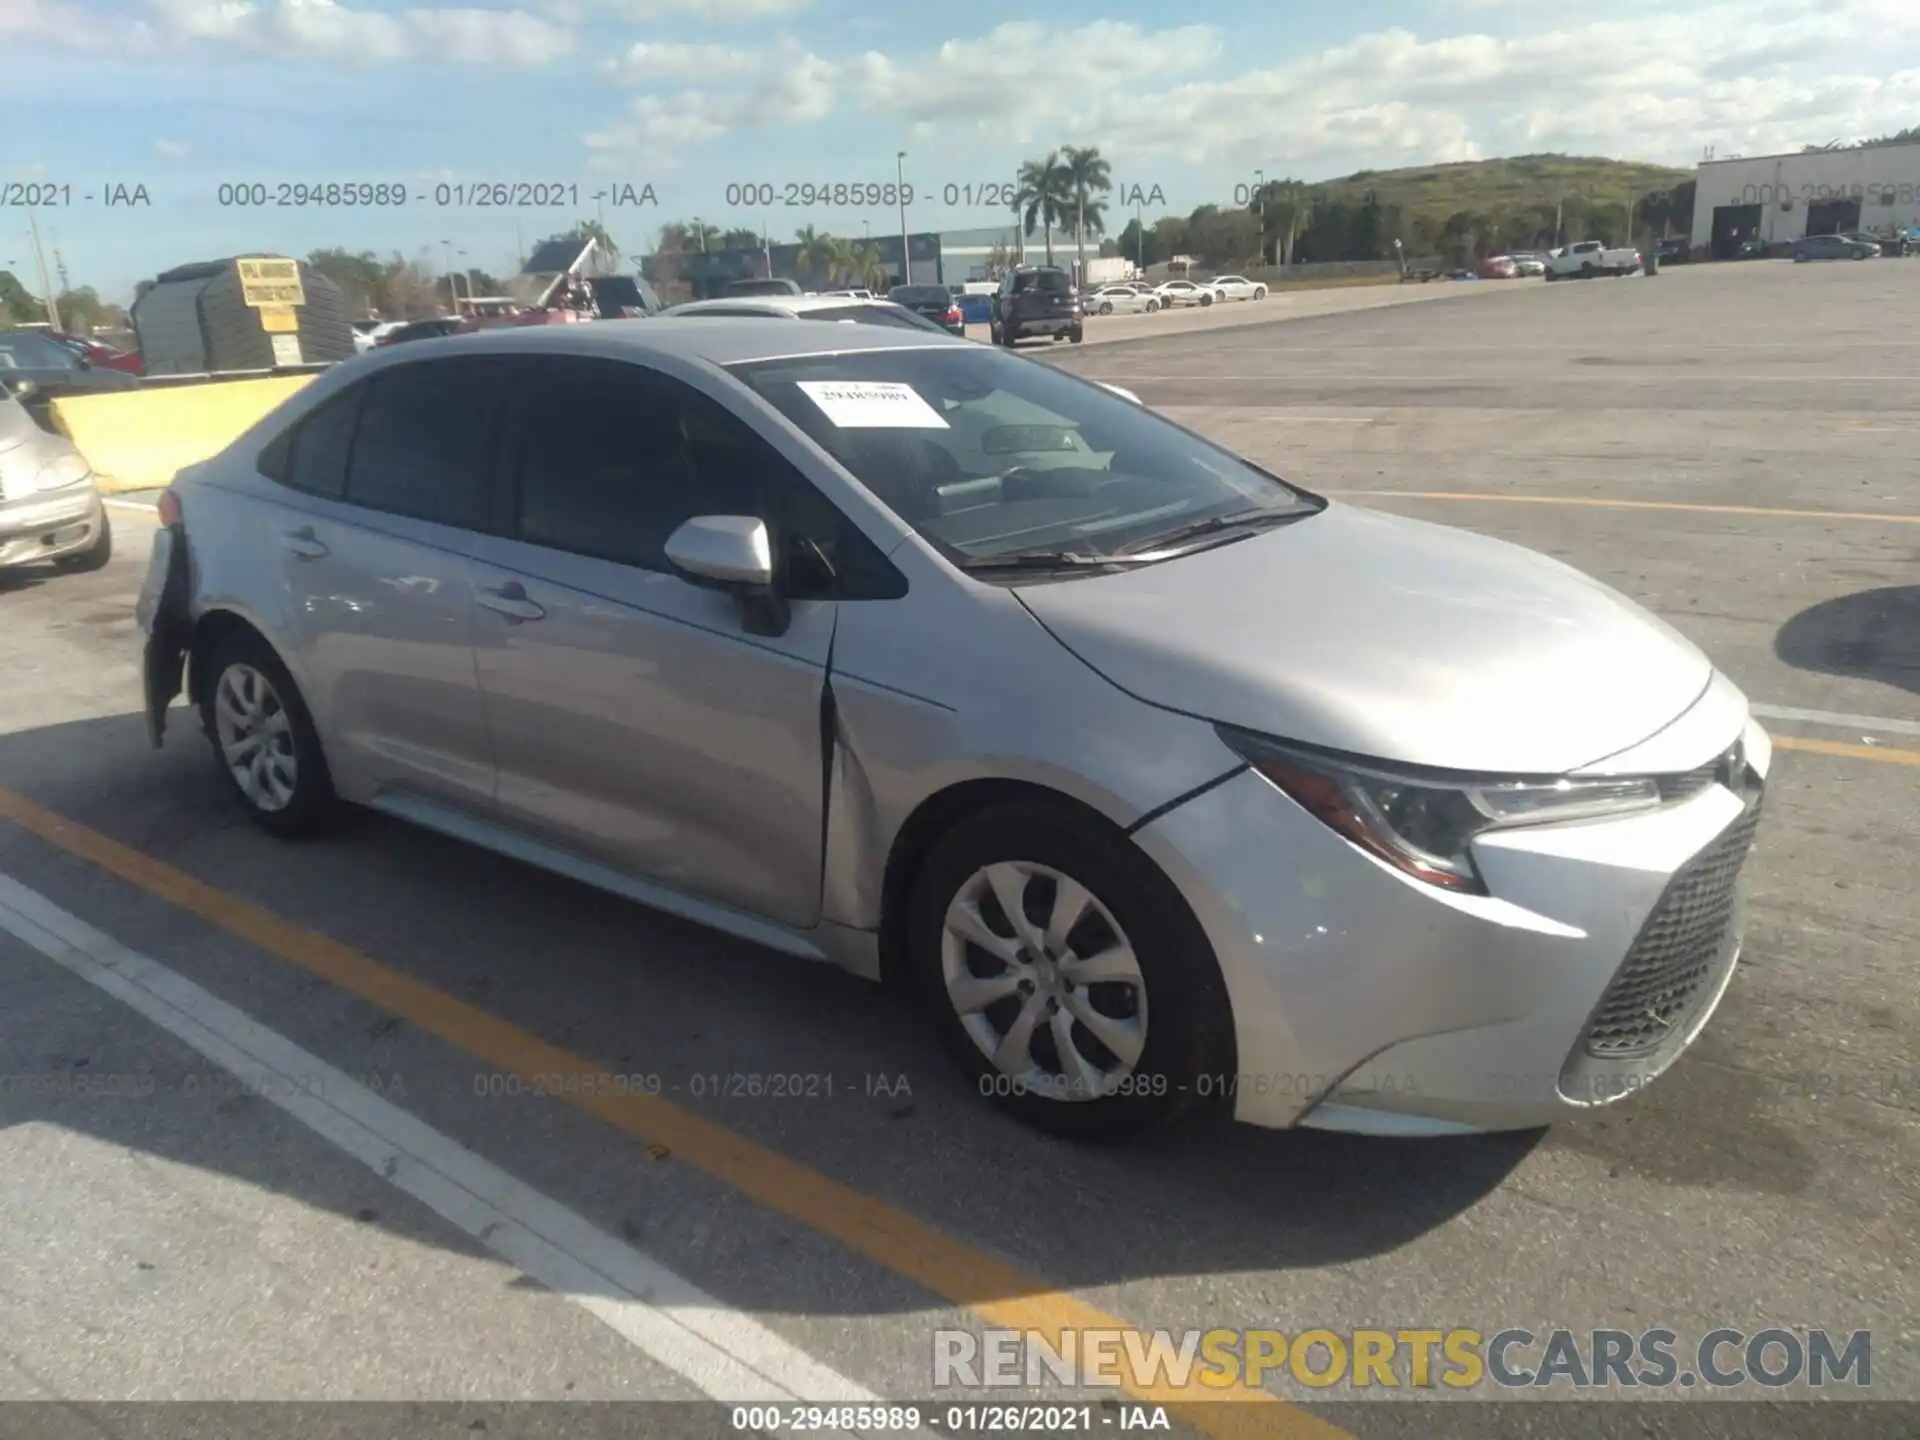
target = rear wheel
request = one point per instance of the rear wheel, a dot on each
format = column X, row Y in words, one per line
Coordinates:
column 1586, row 270
column 1152, row 306
column 263, row 738
column 95, row 556
column 1066, row 975
column 1106, row 307
column 1077, row 335
column 1260, row 292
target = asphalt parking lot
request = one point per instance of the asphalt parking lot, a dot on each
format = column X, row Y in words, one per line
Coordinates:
column 1732, row 446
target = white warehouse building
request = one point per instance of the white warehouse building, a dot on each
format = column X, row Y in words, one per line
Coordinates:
column 1782, row 198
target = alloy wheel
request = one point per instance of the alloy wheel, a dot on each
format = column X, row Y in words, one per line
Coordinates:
column 1044, row 981
column 255, row 735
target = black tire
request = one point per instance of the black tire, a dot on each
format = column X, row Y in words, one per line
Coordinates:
column 1586, row 271
column 1106, row 307
column 1260, row 292
column 1189, row 1023
column 1077, row 335
column 95, row 556
column 993, row 332
column 311, row 802
column 1207, row 298
column 1008, row 336
column 1153, row 307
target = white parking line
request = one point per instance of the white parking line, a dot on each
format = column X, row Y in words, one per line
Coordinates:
column 725, row 1354
column 1838, row 722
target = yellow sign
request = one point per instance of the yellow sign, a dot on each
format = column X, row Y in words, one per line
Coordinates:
column 271, row 282
column 279, row 319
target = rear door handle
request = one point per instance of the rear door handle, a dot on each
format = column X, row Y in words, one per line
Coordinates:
column 511, row 601
column 304, row 543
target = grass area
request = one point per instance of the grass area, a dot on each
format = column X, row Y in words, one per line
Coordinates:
column 1505, row 185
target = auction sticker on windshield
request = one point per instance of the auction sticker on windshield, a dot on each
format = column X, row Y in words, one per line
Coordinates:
column 872, row 405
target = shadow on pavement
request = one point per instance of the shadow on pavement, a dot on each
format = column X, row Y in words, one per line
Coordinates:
column 1873, row 635
column 627, row 988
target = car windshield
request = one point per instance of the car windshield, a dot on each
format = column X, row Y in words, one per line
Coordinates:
column 991, row 456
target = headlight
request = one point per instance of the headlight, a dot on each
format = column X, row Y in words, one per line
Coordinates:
column 69, row 469
column 1425, row 825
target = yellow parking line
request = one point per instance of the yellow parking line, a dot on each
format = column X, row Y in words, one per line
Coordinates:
column 998, row 1293
column 1596, row 503
column 1848, row 752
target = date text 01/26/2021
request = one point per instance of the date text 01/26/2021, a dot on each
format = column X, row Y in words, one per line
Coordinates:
column 446, row 195
column 959, row 1420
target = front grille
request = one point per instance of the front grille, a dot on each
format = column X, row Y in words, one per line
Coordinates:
column 1678, row 953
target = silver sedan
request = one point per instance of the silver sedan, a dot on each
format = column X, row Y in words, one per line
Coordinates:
column 1164, row 783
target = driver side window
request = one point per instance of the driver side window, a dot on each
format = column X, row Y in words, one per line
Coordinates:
column 611, row 458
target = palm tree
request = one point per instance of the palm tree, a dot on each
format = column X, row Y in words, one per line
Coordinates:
column 1088, row 177
column 595, row 231
column 819, row 253
column 1283, row 203
column 1043, row 198
column 866, row 268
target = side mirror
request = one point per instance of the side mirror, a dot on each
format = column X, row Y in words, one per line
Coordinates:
column 733, row 553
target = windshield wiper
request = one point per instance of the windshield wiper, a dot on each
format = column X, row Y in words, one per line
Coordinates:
column 1047, row 560
column 1239, row 520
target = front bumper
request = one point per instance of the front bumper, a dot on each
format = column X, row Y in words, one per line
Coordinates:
column 50, row 524
column 1367, row 1001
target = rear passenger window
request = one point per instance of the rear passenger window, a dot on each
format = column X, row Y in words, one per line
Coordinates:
column 423, row 442
column 312, row 456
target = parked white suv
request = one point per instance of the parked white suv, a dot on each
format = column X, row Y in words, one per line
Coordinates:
column 1585, row 259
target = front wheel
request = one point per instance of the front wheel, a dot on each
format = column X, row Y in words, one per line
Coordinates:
column 1066, row 975
column 1206, row 299
column 1078, row 335
column 1260, row 292
column 263, row 738
column 1153, row 306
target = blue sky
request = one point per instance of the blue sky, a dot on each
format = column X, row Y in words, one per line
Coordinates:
column 691, row 96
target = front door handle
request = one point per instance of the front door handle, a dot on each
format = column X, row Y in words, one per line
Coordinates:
column 511, row 601
column 304, row 543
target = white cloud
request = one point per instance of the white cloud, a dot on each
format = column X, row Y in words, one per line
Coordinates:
column 326, row 30
column 707, row 11
column 650, row 60
column 794, row 88
column 171, row 149
column 54, row 25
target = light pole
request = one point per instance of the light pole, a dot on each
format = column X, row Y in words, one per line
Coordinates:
column 900, row 176
column 40, row 264
column 1139, row 231
column 453, row 290
column 1260, row 210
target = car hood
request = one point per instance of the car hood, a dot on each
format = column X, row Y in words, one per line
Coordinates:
column 1386, row 637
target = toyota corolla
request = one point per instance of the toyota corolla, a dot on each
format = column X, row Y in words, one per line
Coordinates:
column 1161, row 781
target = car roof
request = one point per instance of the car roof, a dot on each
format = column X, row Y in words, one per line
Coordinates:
column 773, row 305
column 749, row 337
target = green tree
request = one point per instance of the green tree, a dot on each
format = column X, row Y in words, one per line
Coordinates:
column 1285, row 207
column 17, row 304
column 361, row 276
column 740, row 238
column 594, row 230
column 1089, row 179
column 819, row 254
column 1043, row 197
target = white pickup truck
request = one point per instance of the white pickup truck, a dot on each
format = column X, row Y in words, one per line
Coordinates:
column 1586, row 258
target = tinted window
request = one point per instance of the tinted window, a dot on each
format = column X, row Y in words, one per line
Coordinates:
column 1053, row 282
column 640, row 454
column 920, row 295
column 317, row 460
column 423, row 440
column 23, row 350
